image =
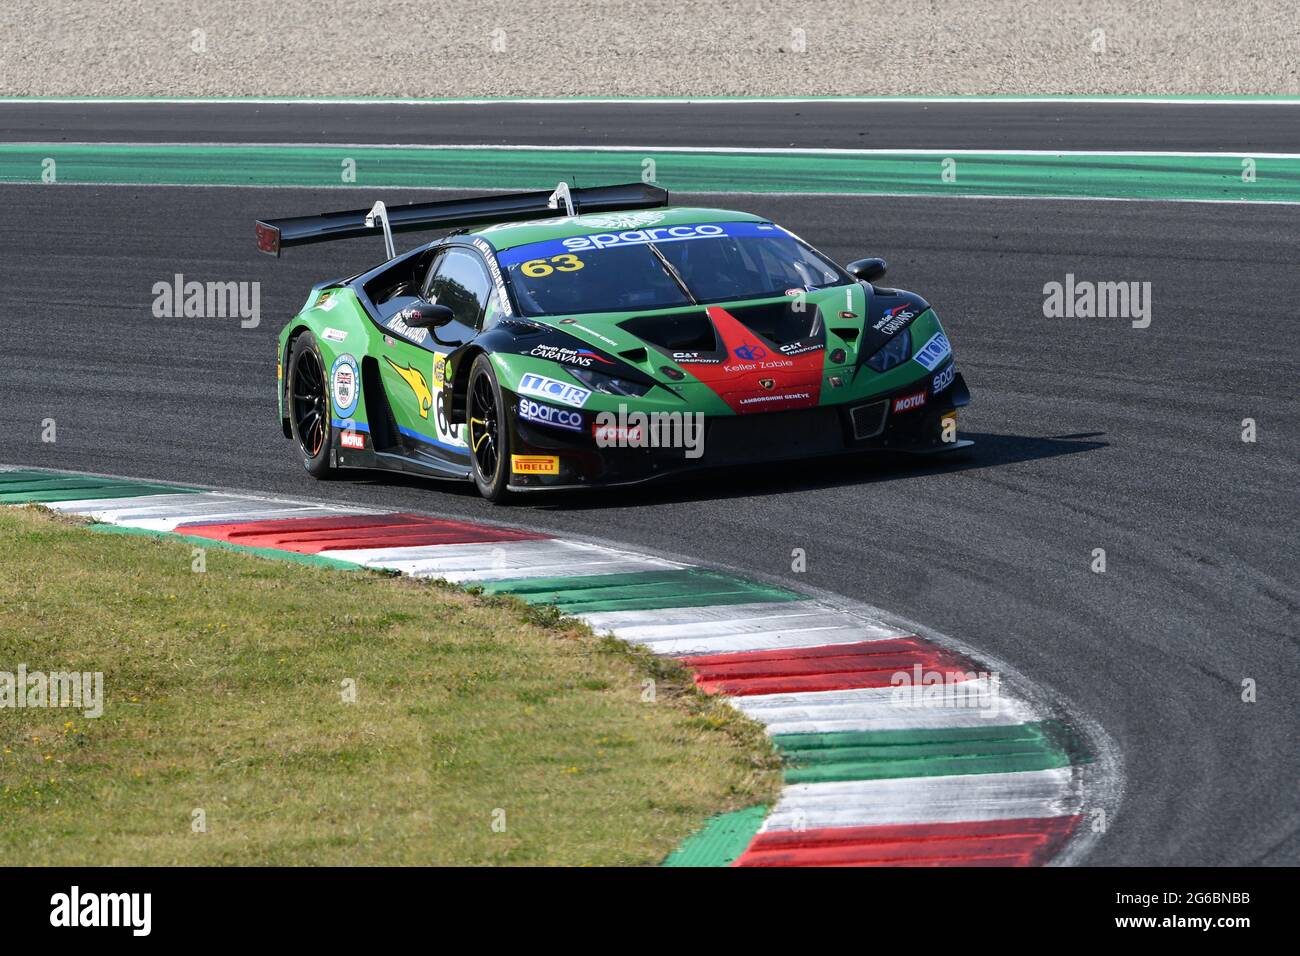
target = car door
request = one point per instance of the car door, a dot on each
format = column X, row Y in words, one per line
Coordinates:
column 414, row 365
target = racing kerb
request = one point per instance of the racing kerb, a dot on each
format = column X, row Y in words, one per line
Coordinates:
column 901, row 746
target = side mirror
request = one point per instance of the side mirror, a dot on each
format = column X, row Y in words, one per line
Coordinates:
column 868, row 270
column 427, row 315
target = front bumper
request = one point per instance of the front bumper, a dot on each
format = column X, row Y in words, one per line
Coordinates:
column 900, row 422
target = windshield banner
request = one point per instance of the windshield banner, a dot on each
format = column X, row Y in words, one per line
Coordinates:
column 635, row 237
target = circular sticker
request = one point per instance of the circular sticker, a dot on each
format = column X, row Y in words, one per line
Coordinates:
column 622, row 220
column 343, row 379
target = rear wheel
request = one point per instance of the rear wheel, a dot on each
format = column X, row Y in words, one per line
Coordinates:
column 489, row 439
column 309, row 405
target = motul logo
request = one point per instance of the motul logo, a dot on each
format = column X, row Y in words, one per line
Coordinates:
column 607, row 435
column 909, row 402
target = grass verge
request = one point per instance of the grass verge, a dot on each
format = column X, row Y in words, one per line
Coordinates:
column 483, row 731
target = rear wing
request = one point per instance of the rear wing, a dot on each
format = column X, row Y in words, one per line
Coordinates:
column 274, row 235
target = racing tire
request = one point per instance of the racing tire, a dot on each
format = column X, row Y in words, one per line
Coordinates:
column 308, row 400
column 486, row 431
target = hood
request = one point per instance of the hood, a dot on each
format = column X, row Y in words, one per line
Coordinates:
column 759, row 355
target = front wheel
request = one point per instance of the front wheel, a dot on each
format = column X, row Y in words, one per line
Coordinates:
column 489, row 439
column 309, row 405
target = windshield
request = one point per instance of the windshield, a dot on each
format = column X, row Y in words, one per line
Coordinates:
column 663, row 267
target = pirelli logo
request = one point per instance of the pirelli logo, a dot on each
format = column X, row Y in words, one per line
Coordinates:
column 535, row 464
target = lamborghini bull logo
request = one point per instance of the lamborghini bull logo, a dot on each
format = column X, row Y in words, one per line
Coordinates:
column 414, row 378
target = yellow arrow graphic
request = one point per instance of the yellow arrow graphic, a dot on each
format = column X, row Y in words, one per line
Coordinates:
column 419, row 386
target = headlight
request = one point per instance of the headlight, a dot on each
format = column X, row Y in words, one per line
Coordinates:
column 895, row 352
column 609, row 384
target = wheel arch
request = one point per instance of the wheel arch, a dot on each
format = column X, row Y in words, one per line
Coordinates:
column 461, row 368
column 289, row 339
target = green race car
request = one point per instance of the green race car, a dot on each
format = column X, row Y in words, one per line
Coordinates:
column 599, row 336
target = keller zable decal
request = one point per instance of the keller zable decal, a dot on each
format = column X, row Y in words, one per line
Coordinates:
column 929, row 355
column 909, row 402
column 532, row 411
column 758, row 366
column 556, row 353
column 895, row 318
column 550, row 389
column 343, row 381
column 943, row 379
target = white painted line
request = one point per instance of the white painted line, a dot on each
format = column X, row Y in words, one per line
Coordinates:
column 718, row 150
column 764, row 641
column 94, row 507
column 955, row 100
column 730, row 618
column 952, row 799
column 503, row 560
column 879, row 708
column 811, row 617
column 741, row 627
column 173, row 512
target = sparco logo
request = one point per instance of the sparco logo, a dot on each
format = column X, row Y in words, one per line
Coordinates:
column 636, row 237
column 532, row 411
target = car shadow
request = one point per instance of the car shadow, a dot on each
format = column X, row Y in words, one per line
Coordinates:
column 743, row 481
column 990, row 451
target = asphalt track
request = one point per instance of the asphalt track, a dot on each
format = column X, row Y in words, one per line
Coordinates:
column 1235, row 127
column 1091, row 434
